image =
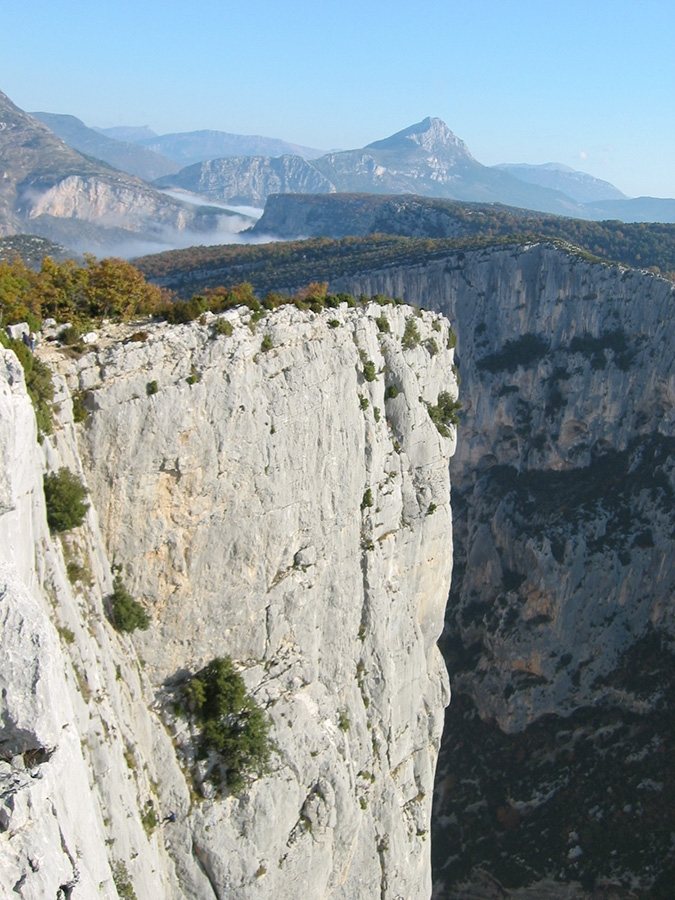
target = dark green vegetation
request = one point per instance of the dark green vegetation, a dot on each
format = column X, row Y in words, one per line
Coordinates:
column 522, row 351
column 123, row 885
column 222, row 328
column 80, row 411
column 529, row 349
column 232, row 724
column 65, row 498
column 369, row 371
column 620, row 488
column 602, row 780
column 285, row 265
column 267, row 343
column 445, row 413
column 126, row 614
column 411, row 334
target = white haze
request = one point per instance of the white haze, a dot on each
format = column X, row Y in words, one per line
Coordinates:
column 233, row 228
column 253, row 212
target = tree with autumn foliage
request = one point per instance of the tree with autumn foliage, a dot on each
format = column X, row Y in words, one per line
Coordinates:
column 108, row 288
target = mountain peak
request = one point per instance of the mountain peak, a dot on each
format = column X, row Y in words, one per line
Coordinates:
column 432, row 134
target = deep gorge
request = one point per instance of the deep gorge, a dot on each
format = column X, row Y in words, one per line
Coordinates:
column 554, row 772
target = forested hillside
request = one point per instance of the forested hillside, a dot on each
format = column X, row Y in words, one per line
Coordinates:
column 286, row 265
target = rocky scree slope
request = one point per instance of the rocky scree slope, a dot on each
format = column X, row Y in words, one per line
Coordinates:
column 557, row 756
column 270, row 497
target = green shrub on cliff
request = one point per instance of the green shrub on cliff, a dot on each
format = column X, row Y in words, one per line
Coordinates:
column 38, row 383
column 369, row 371
column 444, row 413
column 411, row 335
column 65, row 499
column 126, row 613
column 232, row 723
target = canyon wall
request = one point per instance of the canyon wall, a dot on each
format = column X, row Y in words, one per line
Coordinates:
column 279, row 495
column 560, row 617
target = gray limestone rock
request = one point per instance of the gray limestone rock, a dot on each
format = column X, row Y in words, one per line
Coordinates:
column 235, row 504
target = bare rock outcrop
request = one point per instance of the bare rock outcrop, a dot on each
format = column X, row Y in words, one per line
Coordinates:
column 283, row 502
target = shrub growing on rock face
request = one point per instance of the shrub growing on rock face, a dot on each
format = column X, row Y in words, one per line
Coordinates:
column 126, row 613
column 445, row 413
column 232, row 723
column 267, row 343
column 411, row 335
column 369, row 372
column 221, row 326
column 38, row 383
column 65, row 498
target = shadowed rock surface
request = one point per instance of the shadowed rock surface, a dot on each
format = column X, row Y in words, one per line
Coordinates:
column 558, row 749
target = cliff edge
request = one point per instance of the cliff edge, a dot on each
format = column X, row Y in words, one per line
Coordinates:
column 279, row 495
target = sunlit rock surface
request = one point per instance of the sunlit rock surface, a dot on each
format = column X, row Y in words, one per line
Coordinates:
column 265, row 502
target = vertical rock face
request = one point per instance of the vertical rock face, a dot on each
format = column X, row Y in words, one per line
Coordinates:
column 291, row 529
column 72, row 704
column 568, row 386
column 561, row 612
column 281, row 496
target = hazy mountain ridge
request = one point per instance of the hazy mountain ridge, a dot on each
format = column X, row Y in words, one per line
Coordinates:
column 132, row 133
column 249, row 180
column 53, row 191
column 123, row 155
column 75, row 200
column 578, row 185
column 426, row 158
column 188, row 148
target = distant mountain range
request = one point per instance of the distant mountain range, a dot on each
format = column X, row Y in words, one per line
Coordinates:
column 104, row 190
column 188, row 147
column 578, row 185
column 124, row 155
column 428, row 160
column 54, row 191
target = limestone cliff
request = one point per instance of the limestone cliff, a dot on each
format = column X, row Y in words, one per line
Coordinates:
column 53, row 191
column 566, row 368
column 249, row 179
column 559, row 630
column 285, row 503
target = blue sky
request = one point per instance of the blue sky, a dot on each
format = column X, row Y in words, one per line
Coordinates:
column 589, row 84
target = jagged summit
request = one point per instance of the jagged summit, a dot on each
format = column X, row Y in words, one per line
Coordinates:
column 432, row 134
